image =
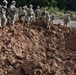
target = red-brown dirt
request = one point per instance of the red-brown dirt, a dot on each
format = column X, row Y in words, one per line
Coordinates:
column 36, row 51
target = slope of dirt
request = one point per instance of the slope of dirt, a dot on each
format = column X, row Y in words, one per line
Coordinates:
column 37, row 51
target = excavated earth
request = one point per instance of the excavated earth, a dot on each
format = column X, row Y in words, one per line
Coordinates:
column 35, row 50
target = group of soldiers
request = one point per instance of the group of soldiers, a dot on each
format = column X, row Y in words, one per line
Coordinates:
column 26, row 15
column 7, row 15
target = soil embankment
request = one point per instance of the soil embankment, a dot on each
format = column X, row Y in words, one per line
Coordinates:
column 37, row 51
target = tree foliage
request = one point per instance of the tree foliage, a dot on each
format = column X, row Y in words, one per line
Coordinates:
column 61, row 4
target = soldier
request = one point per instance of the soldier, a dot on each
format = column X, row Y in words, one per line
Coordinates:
column 30, row 14
column 38, row 12
column 26, row 8
column 20, row 10
column 66, row 19
column 52, row 17
column 3, row 13
column 3, row 17
column 47, row 20
column 12, row 12
column 5, row 2
column 23, row 16
column 44, row 13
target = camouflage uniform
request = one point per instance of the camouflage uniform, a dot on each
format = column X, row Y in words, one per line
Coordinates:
column 30, row 13
column 3, row 17
column 24, row 8
column 23, row 17
column 20, row 11
column 66, row 19
column 3, row 12
column 12, row 12
column 37, row 12
column 47, row 20
column 5, row 2
column 52, row 17
column 44, row 13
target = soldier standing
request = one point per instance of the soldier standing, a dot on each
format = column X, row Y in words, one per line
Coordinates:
column 44, row 13
column 52, row 17
column 30, row 13
column 5, row 2
column 12, row 11
column 47, row 20
column 3, row 17
column 66, row 19
column 23, row 17
column 38, row 12
column 20, row 11
column 4, row 11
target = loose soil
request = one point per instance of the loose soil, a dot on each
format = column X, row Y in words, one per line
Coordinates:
column 35, row 50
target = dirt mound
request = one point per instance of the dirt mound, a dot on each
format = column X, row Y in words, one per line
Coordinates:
column 37, row 51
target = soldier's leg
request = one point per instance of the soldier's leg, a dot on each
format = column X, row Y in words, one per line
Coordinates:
column 3, row 21
column 23, row 20
column 29, row 21
column 0, row 24
column 48, row 26
column 9, row 20
column 12, row 19
column 64, row 23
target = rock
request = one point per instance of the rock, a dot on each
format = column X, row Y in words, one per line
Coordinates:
column 12, row 60
column 38, row 72
column 18, row 53
column 1, row 71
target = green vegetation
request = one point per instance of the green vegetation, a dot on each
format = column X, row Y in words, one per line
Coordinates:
column 61, row 4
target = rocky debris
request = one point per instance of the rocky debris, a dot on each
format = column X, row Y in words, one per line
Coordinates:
column 36, row 51
column 18, row 52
